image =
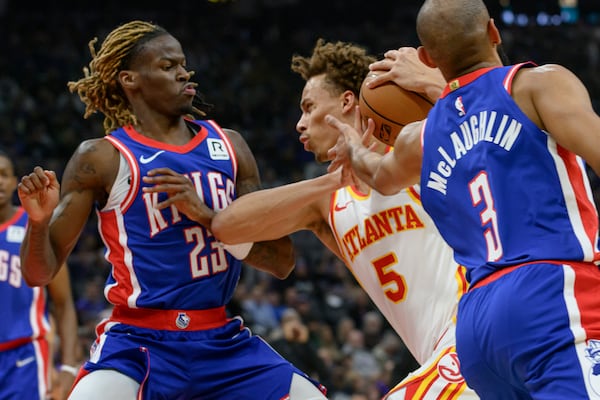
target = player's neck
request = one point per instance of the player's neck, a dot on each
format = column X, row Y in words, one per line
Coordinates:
column 6, row 212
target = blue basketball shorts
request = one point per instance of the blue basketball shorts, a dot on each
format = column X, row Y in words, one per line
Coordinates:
column 533, row 332
column 226, row 362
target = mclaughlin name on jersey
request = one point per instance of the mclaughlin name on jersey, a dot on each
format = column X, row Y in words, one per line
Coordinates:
column 484, row 127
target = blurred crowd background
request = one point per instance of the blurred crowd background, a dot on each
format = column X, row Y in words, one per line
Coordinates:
column 241, row 50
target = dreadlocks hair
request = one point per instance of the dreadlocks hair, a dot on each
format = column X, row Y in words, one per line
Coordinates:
column 345, row 65
column 99, row 89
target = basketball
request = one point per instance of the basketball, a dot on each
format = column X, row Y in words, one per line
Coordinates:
column 391, row 108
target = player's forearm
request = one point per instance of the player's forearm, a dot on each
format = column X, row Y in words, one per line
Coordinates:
column 366, row 165
column 67, row 331
column 266, row 214
column 38, row 260
column 379, row 171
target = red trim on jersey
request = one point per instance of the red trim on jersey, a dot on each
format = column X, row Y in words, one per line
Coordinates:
column 43, row 348
column 357, row 193
column 134, row 172
column 332, row 223
column 228, row 144
column 507, row 82
column 414, row 192
column 18, row 213
column 12, row 344
column 111, row 235
column 39, row 325
column 138, row 137
column 585, row 291
column 494, row 276
column 464, row 80
column 332, row 201
column 166, row 319
column 461, row 277
column 586, row 207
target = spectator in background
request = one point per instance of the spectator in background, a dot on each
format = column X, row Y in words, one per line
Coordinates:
column 292, row 342
column 28, row 341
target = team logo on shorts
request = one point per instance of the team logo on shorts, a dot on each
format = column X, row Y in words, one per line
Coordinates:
column 182, row 321
column 449, row 368
column 592, row 353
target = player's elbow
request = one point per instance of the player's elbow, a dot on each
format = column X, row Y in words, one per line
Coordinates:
column 35, row 279
column 283, row 271
column 286, row 264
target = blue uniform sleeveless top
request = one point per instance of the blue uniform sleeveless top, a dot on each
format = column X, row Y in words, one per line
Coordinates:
column 23, row 311
column 501, row 191
column 160, row 258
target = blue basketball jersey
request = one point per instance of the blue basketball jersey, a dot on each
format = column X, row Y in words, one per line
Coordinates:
column 23, row 309
column 500, row 190
column 160, row 258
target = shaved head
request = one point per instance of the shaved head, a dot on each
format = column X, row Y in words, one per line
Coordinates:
column 455, row 34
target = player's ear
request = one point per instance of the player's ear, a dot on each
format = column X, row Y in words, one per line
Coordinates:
column 349, row 100
column 127, row 79
column 493, row 32
column 424, row 57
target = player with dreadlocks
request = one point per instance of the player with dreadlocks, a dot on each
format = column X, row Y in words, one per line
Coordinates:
column 156, row 180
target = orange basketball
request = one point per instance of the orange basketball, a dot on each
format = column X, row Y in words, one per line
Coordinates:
column 391, row 107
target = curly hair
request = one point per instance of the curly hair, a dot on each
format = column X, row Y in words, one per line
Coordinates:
column 345, row 65
column 99, row 89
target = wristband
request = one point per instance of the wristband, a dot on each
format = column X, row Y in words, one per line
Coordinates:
column 69, row 368
column 240, row 250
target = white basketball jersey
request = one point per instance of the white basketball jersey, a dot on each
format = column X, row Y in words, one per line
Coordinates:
column 397, row 255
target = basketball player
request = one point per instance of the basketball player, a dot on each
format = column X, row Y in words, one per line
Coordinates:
column 156, row 180
column 389, row 243
column 25, row 349
column 500, row 161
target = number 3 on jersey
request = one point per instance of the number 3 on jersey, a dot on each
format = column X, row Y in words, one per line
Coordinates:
column 480, row 191
column 387, row 275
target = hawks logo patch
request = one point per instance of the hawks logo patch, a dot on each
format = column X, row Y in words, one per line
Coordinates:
column 449, row 368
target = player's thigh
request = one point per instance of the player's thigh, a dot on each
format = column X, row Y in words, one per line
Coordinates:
column 105, row 384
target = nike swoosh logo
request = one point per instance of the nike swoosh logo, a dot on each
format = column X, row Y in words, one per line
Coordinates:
column 342, row 207
column 145, row 160
column 25, row 361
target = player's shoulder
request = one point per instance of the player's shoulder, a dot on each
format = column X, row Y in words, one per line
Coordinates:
column 94, row 161
column 542, row 74
column 91, row 146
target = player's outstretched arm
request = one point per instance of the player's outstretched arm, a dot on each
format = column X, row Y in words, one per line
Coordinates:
column 388, row 173
column 275, row 256
column 272, row 213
